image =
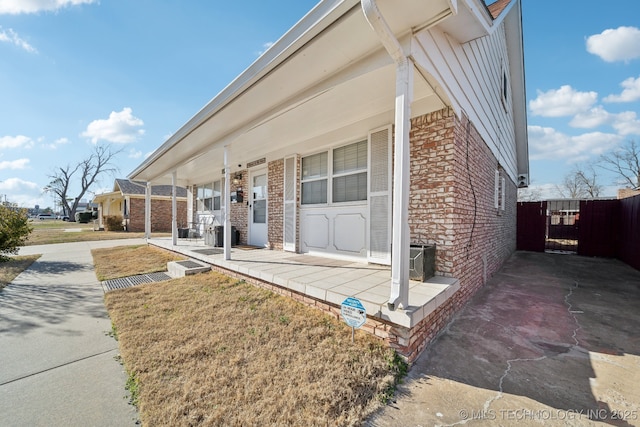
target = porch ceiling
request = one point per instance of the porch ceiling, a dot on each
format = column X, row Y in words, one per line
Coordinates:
column 338, row 82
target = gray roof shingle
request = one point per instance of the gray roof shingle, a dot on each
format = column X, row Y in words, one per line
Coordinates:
column 128, row 187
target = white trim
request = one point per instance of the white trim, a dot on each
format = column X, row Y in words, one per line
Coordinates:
column 380, row 197
column 290, row 205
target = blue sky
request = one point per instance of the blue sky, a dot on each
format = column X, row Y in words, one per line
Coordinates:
column 74, row 73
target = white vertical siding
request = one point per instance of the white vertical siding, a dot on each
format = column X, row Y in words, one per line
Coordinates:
column 472, row 74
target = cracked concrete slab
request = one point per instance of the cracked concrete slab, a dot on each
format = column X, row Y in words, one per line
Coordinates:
column 550, row 340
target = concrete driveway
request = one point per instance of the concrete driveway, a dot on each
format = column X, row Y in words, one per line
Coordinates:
column 550, row 340
column 57, row 362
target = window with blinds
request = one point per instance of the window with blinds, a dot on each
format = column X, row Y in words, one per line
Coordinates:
column 347, row 174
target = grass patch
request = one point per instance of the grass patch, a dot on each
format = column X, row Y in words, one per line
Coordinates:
column 210, row 350
column 123, row 261
column 10, row 269
column 54, row 231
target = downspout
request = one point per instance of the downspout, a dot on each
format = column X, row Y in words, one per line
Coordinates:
column 399, row 295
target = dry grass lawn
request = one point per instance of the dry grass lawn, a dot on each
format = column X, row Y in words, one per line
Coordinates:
column 55, row 231
column 211, row 350
column 9, row 270
column 123, row 261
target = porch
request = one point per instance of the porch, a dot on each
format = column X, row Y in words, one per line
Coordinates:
column 323, row 279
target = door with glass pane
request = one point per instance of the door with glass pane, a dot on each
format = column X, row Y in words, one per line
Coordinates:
column 258, row 208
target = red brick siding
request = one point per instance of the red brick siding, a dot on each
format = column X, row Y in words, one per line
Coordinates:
column 160, row 215
column 452, row 205
column 275, row 200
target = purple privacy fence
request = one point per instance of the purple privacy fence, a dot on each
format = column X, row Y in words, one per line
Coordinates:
column 629, row 249
column 606, row 228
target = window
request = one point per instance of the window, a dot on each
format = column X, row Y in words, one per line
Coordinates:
column 314, row 179
column 505, row 89
column 348, row 175
column 208, row 198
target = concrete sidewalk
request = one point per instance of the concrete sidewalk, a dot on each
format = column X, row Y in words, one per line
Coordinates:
column 57, row 365
column 550, row 340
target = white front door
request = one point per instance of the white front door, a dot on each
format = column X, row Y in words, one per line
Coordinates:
column 258, row 208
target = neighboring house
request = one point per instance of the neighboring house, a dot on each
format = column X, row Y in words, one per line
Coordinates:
column 367, row 128
column 624, row 193
column 128, row 201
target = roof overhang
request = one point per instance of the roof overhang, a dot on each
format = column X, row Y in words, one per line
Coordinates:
column 309, row 90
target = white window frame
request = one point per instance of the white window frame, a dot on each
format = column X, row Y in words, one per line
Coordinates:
column 212, row 187
column 329, row 177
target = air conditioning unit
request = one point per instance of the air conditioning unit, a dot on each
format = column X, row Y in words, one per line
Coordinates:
column 422, row 262
column 523, row 180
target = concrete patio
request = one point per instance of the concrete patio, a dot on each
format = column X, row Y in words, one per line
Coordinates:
column 324, row 279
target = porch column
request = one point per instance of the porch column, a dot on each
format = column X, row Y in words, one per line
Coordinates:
column 174, row 209
column 147, row 211
column 226, row 213
column 400, row 232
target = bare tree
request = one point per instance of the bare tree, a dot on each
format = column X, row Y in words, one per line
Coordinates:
column 571, row 187
column 87, row 171
column 529, row 194
column 587, row 176
column 580, row 183
column 625, row 162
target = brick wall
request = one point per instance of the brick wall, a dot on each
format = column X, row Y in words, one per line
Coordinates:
column 240, row 211
column 452, row 206
column 275, row 192
column 160, row 215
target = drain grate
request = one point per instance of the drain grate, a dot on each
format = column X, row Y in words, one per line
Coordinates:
column 190, row 264
column 128, row 282
column 116, row 284
column 137, row 280
column 158, row 277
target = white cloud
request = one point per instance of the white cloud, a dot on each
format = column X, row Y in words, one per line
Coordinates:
column 10, row 36
column 134, row 154
column 19, row 141
column 14, row 164
column 621, row 44
column 14, row 7
column 57, row 143
column 562, row 102
column 24, row 193
column 265, row 47
column 630, row 91
column 121, row 127
column 593, row 118
column 627, row 123
column 547, row 143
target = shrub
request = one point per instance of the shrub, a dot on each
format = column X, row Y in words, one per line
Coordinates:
column 84, row 217
column 14, row 230
column 113, row 223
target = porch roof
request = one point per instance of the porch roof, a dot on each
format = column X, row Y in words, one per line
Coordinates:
column 324, row 279
column 328, row 75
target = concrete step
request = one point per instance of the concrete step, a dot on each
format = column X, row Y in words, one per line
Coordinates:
column 184, row 268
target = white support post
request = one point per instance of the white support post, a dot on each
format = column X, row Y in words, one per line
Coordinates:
column 147, row 211
column 174, row 209
column 400, row 233
column 226, row 214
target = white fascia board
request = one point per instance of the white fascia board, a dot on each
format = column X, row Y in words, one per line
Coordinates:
column 323, row 15
column 515, row 50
